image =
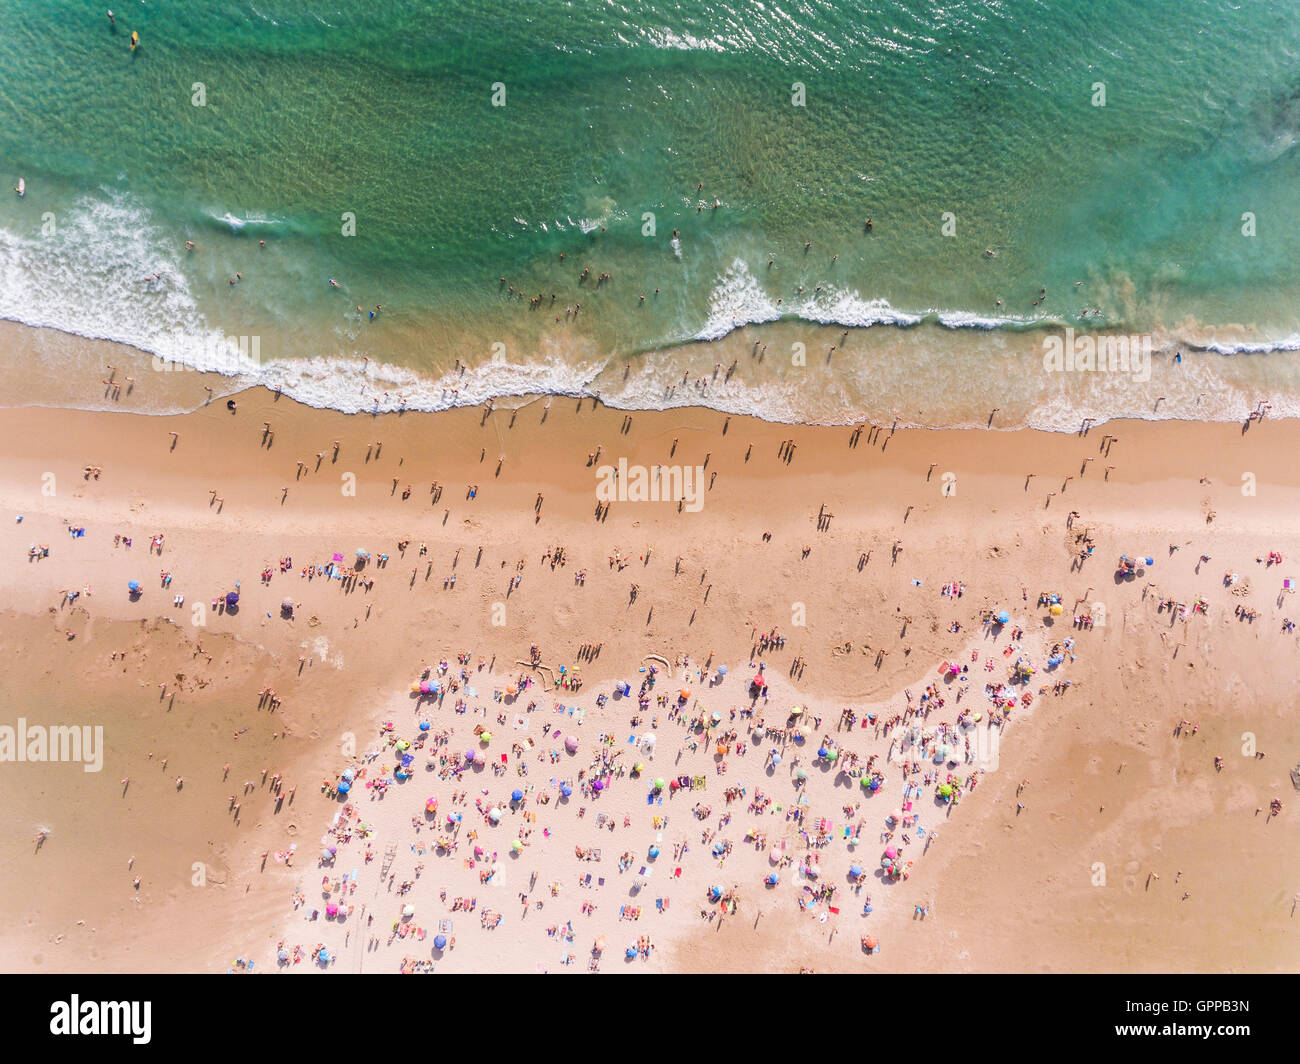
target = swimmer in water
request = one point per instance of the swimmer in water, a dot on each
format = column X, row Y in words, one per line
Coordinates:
column 333, row 283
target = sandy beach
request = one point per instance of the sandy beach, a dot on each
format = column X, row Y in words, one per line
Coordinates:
column 1037, row 803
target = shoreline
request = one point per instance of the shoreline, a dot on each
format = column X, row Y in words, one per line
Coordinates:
column 879, row 371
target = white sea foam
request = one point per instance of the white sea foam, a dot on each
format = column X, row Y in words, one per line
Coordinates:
column 93, row 275
column 90, row 277
column 738, row 300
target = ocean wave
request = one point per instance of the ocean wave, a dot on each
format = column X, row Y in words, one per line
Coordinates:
column 110, row 273
column 106, row 272
column 1245, row 347
column 237, row 224
column 739, row 300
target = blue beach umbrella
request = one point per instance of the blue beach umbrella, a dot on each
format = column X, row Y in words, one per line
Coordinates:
column 516, row 795
column 566, row 790
column 133, row 585
column 344, row 787
column 439, row 941
column 1003, row 617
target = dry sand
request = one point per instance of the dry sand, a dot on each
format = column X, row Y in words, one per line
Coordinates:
column 1062, row 884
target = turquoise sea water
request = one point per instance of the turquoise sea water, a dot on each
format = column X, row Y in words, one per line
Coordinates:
column 970, row 134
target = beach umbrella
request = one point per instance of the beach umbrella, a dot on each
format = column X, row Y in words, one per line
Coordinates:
column 325, row 855
column 774, row 855
column 600, row 944
column 566, row 790
column 886, row 862
column 485, row 737
column 424, row 725
column 776, row 759
column 631, row 952
column 516, row 795
column 431, row 805
column 361, row 553
column 722, row 670
column 716, row 717
column 478, row 851
column 797, row 711
column 469, row 755
column 1055, row 610
column 598, row 786
column 349, row 774
column 331, row 909
column 855, row 871
column 324, row 956
column 869, row 942
column 659, row 784
column 409, row 910
column 822, row 751
column 758, row 681
column 891, row 853
column 946, row 790
column 874, row 785
column 286, row 604
column 344, row 787
column 772, row 879
column 1003, row 617
column 684, row 694
column 654, row 852
column 800, row 774
column 424, row 687
column 439, row 941
column 494, row 815
column 232, row 597
column 637, row 768
column 571, row 743
column 516, row 846
column 865, row 781
column 283, row 955
column 896, row 815
column 719, row 847
column 833, row 755
column 133, row 585
column 402, row 744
